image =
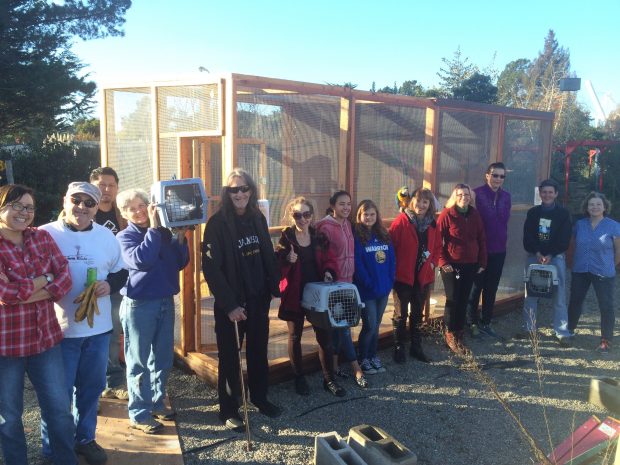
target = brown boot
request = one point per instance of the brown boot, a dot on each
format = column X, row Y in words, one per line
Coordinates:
column 460, row 341
column 452, row 343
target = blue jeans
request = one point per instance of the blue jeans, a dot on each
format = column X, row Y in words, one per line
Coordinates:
column 85, row 360
column 371, row 320
column 115, row 374
column 343, row 344
column 44, row 371
column 149, row 342
column 604, row 289
column 560, row 310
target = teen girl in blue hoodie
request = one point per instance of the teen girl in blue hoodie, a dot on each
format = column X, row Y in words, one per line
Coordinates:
column 375, row 266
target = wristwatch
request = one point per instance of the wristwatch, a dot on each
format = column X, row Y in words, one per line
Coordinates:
column 48, row 278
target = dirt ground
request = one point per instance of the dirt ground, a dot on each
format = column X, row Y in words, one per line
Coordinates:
column 442, row 411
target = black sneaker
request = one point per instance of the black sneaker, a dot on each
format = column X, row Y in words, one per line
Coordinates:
column 92, row 452
column 334, row 388
column 301, row 386
column 488, row 330
column 268, row 409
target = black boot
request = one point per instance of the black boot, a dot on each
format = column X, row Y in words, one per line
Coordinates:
column 399, row 348
column 416, row 350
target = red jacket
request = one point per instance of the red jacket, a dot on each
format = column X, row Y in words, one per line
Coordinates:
column 290, row 283
column 405, row 239
column 462, row 237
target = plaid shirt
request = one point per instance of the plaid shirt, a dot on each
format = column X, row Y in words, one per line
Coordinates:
column 32, row 328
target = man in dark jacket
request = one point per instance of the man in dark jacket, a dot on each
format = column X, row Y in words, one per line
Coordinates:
column 240, row 268
column 546, row 236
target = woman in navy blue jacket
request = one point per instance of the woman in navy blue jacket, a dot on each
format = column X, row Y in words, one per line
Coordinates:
column 375, row 266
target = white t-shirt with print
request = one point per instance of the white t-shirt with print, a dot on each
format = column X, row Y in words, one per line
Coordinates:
column 96, row 248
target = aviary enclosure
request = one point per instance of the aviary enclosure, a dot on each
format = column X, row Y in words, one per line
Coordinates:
column 297, row 138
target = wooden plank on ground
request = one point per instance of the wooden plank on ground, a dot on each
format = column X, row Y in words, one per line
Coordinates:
column 126, row 446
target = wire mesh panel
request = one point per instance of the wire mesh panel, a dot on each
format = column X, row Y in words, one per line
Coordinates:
column 389, row 152
column 465, row 149
column 291, row 145
column 523, row 155
column 183, row 109
column 129, row 137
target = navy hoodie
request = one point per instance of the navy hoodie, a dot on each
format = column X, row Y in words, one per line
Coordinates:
column 375, row 267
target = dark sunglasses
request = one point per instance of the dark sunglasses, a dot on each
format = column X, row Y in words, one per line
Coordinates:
column 237, row 189
column 299, row 215
column 88, row 203
column 500, row 176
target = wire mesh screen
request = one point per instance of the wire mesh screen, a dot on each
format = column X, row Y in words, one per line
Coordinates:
column 389, row 152
column 129, row 137
column 183, row 109
column 465, row 148
column 523, row 155
column 289, row 143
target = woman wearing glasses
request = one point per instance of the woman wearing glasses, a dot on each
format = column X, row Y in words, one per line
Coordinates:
column 462, row 255
column 240, row 268
column 494, row 204
column 304, row 256
column 33, row 274
column 153, row 256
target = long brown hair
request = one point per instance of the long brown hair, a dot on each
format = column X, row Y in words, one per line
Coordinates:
column 288, row 210
column 226, row 203
column 377, row 229
column 422, row 193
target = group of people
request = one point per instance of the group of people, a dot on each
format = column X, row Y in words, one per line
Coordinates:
column 467, row 241
column 61, row 314
column 51, row 274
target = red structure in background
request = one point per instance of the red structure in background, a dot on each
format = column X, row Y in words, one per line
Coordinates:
column 596, row 147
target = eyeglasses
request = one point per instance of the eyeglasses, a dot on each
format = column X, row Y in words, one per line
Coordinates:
column 299, row 215
column 18, row 207
column 237, row 189
column 498, row 176
column 460, row 196
column 88, row 203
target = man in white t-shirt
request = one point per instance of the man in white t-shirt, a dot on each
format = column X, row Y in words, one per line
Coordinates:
column 94, row 255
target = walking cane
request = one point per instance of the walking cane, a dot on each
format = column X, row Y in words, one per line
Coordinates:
column 243, row 396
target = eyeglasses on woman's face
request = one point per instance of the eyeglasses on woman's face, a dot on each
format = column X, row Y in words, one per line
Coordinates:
column 19, row 207
column 299, row 215
column 236, row 189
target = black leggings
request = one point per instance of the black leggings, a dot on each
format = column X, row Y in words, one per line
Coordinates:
column 326, row 350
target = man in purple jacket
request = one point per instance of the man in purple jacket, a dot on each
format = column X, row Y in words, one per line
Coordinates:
column 494, row 204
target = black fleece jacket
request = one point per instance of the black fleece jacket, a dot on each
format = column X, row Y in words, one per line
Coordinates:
column 551, row 236
column 221, row 262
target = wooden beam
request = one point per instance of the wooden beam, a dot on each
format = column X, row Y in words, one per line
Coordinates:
column 429, row 152
column 103, row 128
column 342, row 148
column 155, row 133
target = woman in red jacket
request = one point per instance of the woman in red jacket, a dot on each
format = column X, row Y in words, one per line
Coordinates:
column 303, row 256
column 462, row 254
column 414, row 236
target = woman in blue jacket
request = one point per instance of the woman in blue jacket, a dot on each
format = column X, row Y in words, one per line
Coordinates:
column 154, row 256
column 375, row 266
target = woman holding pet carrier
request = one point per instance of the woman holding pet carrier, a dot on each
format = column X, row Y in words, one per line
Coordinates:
column 303, row 256
column 337, row 228
column 240, row 268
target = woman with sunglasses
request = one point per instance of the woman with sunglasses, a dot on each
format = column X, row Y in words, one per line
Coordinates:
column 375, row 266
column 33, row 274
column 239, row 265
column 303, row 256
column 494, row 204
column 462, row 254
column 337, row 228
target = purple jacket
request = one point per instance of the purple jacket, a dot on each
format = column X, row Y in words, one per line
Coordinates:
column 494, row 209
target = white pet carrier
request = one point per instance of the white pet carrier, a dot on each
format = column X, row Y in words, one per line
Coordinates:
column 182, row 202
column 541, row 280
column 332, row 305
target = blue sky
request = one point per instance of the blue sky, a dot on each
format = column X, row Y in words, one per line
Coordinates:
column 345, row 41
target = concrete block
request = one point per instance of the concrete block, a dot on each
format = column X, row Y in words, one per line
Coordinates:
column 605, row 392
column 331, row 449
column 377, row 447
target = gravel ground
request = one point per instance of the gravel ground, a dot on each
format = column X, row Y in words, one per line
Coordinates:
column 442, row 411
